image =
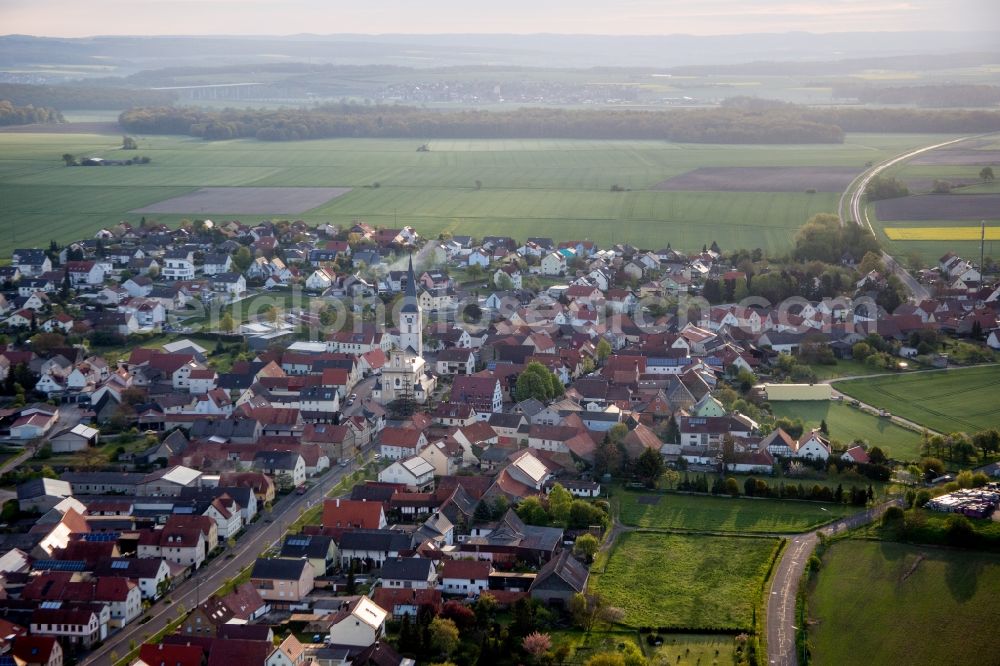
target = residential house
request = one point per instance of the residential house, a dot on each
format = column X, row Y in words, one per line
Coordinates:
column 178, row 265
column 554, row 264
column 319, row 550
column 400, row 602
column 358, row 623
column 455, row 361
column 482, row 392
column 282, row 581
column 411, row 573
column 416, row 473
column 371, row 547
column 37, row 651
column 562, row 577
column 151, row 575
column 215, row 264
column 398, row 442
column 465, row 577
column 813, row 445
column 184, row 546
column 81, row 625
column 287, row 468
column 353, row 514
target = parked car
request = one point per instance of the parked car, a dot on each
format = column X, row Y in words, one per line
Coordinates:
column 301, row 490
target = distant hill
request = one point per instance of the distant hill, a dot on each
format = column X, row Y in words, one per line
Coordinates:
column 126, row 55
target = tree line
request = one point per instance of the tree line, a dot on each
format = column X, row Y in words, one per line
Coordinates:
column 83, row 97
column 27, row 115
column 740, row 122
column 949, row 95
column 722, row 125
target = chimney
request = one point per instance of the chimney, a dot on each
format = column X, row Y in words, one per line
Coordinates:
column 338, row 502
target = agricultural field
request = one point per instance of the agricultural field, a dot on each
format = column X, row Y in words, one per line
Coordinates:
column 942, row 233
column 847, row 424
column 557, row 188
column 946, row 401
column 928, row 225
column 723, row 514
column 690, row 580
column 903, row 604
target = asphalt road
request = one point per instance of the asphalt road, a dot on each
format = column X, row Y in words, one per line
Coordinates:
column 259, row 536
column 781, row 627
column 11, row 463
column 858, row 212
column 363, row 389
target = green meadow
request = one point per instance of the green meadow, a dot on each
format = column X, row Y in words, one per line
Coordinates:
column 947, row 401
column 847, row 424
column 678, row 580
column 903, row 604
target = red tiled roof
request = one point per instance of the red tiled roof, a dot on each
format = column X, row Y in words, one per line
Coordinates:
column 471, row 569
column 351, row 513
column 171, row 655
column 395, row 436
column 389, row 598
column 229, row 652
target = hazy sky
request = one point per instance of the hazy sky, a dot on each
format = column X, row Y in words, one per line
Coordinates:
column 76, row 18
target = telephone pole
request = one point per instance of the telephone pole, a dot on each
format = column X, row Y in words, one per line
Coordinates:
column 982, row 252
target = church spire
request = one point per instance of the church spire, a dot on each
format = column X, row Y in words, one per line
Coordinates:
column 410, row 295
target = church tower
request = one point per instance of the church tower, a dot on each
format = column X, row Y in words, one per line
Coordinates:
column 411, row 324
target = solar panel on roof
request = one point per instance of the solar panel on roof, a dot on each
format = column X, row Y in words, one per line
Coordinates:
column 60, row 565
column 101, row 537
column 119, row 564
column 298, row 541
column 50, row 605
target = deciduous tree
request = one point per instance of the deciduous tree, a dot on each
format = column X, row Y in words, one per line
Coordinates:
column 444, row 636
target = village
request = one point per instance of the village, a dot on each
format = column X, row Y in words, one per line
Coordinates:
column 439, row 422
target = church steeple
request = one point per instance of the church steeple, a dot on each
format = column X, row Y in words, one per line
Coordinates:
column 411, row 325
column 410, row 303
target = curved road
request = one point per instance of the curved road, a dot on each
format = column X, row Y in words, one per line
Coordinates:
column 258, row 537
column 781, row 618
column 859, row 214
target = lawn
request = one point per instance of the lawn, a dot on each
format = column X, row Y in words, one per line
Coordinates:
column 558, row 188
column 903, row 604
column 683, row 649
column 847, row 424
column 843, row 368
column 671, row 511
column 678, row 580
column 945, row 401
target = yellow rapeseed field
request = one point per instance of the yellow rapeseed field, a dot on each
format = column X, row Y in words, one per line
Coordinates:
column 940, row 233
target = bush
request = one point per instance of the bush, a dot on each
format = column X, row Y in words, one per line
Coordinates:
column 960, row 531
column 892, row 515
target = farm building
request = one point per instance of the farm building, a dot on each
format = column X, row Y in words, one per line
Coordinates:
column 779, row 392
